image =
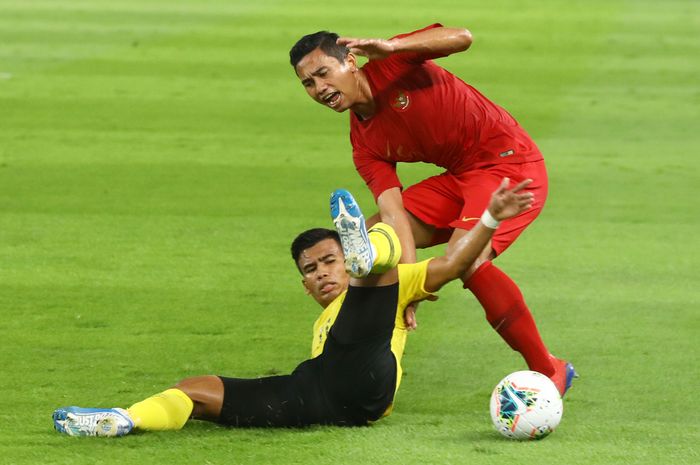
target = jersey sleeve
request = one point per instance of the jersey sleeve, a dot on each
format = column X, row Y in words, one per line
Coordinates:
column 378, row 174
column 412, row 282
column 398, row 64
column 416, row 57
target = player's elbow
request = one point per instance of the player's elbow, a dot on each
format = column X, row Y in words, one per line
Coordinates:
column 450, row 271
column 463, row 38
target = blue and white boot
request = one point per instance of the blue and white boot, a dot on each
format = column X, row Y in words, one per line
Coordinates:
column 350, row 224
column 77, row 421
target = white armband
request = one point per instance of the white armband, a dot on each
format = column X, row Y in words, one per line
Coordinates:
column 488, row 220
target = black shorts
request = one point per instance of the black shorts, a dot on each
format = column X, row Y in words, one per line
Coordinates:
column 351, row 383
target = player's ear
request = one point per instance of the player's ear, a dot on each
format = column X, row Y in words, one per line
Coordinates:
column 351, row 60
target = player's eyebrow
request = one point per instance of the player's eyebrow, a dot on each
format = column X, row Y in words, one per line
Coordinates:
column 319, row 70
column 311, row 266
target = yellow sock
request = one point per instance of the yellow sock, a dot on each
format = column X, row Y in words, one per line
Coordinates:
column 386, row 246
column 168, row 410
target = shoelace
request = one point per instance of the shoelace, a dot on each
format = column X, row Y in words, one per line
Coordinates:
column 357, row 243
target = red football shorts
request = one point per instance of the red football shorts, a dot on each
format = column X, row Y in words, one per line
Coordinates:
column 448, row 201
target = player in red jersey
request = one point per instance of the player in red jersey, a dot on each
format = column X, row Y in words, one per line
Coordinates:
column 405, row 108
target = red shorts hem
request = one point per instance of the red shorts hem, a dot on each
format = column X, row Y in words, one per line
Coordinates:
column 450, row 202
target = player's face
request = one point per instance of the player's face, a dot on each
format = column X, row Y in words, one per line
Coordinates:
column 322, row 266
column 328, row 81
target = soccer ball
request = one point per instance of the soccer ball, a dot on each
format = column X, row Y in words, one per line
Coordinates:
column 526, row 405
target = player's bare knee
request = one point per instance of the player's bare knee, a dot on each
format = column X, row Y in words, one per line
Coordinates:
column 485, row 256
column 468, row 274
column 198, row 388
column 206, row 393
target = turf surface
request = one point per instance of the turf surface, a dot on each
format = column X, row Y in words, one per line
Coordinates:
column 156, row 159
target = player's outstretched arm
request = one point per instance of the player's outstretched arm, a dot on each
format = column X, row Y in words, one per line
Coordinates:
column 437, row 41
column 505, row 203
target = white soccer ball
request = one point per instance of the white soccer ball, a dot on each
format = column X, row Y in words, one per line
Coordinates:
column 526, row 405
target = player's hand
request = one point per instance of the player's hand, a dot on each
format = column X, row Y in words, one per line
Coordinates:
column 507, row 203
column 374, row 49
column 409, row 314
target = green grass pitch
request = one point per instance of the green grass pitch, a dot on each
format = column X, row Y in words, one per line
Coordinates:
column 157, row 157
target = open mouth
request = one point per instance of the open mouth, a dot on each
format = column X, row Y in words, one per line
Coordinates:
column 332, row 99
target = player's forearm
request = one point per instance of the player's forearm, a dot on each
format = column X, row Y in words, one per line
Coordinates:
column 461, row 256
column 441, row 40
column 467, row 249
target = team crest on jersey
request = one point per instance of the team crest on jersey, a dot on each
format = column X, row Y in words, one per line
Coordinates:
column 400, row 100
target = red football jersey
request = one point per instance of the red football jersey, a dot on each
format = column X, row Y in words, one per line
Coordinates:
column 426, row 114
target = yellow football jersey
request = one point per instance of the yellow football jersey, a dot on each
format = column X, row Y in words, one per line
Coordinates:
column 411, row 289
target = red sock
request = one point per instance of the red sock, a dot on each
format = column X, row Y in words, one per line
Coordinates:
column 508, row 314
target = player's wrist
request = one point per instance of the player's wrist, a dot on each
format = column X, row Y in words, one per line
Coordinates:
column 393, row 45
column 488, row 220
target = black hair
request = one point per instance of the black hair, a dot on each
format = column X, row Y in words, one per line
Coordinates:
column 324, row 40
column 309, row 239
